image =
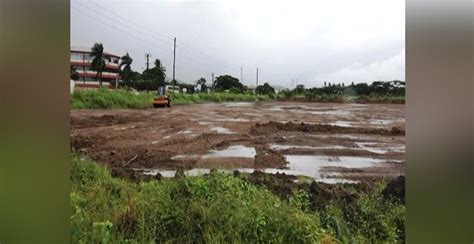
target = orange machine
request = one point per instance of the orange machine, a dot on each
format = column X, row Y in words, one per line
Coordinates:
column 162, row 100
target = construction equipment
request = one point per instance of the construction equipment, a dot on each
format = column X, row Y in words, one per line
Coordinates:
column 163, row 99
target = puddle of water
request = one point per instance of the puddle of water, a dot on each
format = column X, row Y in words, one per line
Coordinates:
column 153, row 142
column 342, row 123
column 237, row 151
column 310, row 165
column 204, row 123
column 222, row 130
column 252, row 114
column 358, row 105
column 171, row 173
column 337, row 180
column 298, row 165
column 167, row 137
column 202, row 171
column 371, row 147
column 367, row 146
column 233, row 120
column 331, row 112
column 275, row 108
column 381, row 122
column 185, row 132
column 295, row 107
column 400, row 149
column 285, row 147
column 237, row 104
column 185, row 157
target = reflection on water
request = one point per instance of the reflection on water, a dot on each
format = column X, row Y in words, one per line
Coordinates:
column 236, row 151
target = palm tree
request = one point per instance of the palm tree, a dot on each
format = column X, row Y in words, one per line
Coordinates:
column 127, row 69
column 98, row 61
column 73, row 73
column 160, row 72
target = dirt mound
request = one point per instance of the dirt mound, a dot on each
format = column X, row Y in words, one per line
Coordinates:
column 272, row 127
column 321, row 194
column 103, row 120
column 280, row 184
column 267, row 158
column 395, row 189
column 79, row 142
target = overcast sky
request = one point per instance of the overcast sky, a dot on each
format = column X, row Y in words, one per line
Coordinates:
column 305, row 41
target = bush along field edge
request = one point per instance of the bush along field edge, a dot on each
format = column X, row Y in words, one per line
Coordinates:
column 238, row 208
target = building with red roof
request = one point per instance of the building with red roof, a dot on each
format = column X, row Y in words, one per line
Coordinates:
column 81, row 60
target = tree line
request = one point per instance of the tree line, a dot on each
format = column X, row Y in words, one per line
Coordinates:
column 151, row 79
column 378, row 88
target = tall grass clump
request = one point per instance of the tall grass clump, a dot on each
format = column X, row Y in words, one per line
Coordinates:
column 215, row 209
column 215, row 97
column 106, row 98
column 222, row 208
column 369, row 219
column 115, row 99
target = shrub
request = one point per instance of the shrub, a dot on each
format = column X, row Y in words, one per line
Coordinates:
column 218, row 208
column 104, row 98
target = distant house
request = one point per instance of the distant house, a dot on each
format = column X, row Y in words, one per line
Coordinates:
column 81, row 60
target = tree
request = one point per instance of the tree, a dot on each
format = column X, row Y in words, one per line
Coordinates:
column 202, row 83
column 126, row 62
column 299, row 89
column 155, row 76
column 98, row 60
column 226, row 82
column 265, row 89
column 362, row 89
column 73, row 73
column 160, row 72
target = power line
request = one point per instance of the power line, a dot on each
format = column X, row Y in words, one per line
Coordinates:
column 189, row 51
column 131, row 35
column 169, row 39
column 126, row 33
column 107, row 24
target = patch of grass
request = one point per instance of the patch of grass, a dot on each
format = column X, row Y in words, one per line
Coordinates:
column 215, row 209
column 380, row 99
column 341, row 98
column 220, row 208
column 115, row 99
column 215, row 97
column 369, row 219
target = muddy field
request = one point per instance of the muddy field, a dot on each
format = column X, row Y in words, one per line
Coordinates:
column 326, row 142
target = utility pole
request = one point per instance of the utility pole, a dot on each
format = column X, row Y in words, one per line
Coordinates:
column 212, row 82
column 147, row 55
column 257, row 83
column 241, row 72
column 174, row 61
column 257, row 76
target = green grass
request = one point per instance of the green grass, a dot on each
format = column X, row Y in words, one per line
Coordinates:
column 380, row 99
column 215, row 97
column 327, row 98
column 219, row 208
column 115, row 99
column 105, row 98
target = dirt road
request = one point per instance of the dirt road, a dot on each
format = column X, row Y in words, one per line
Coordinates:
column 327, row 142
